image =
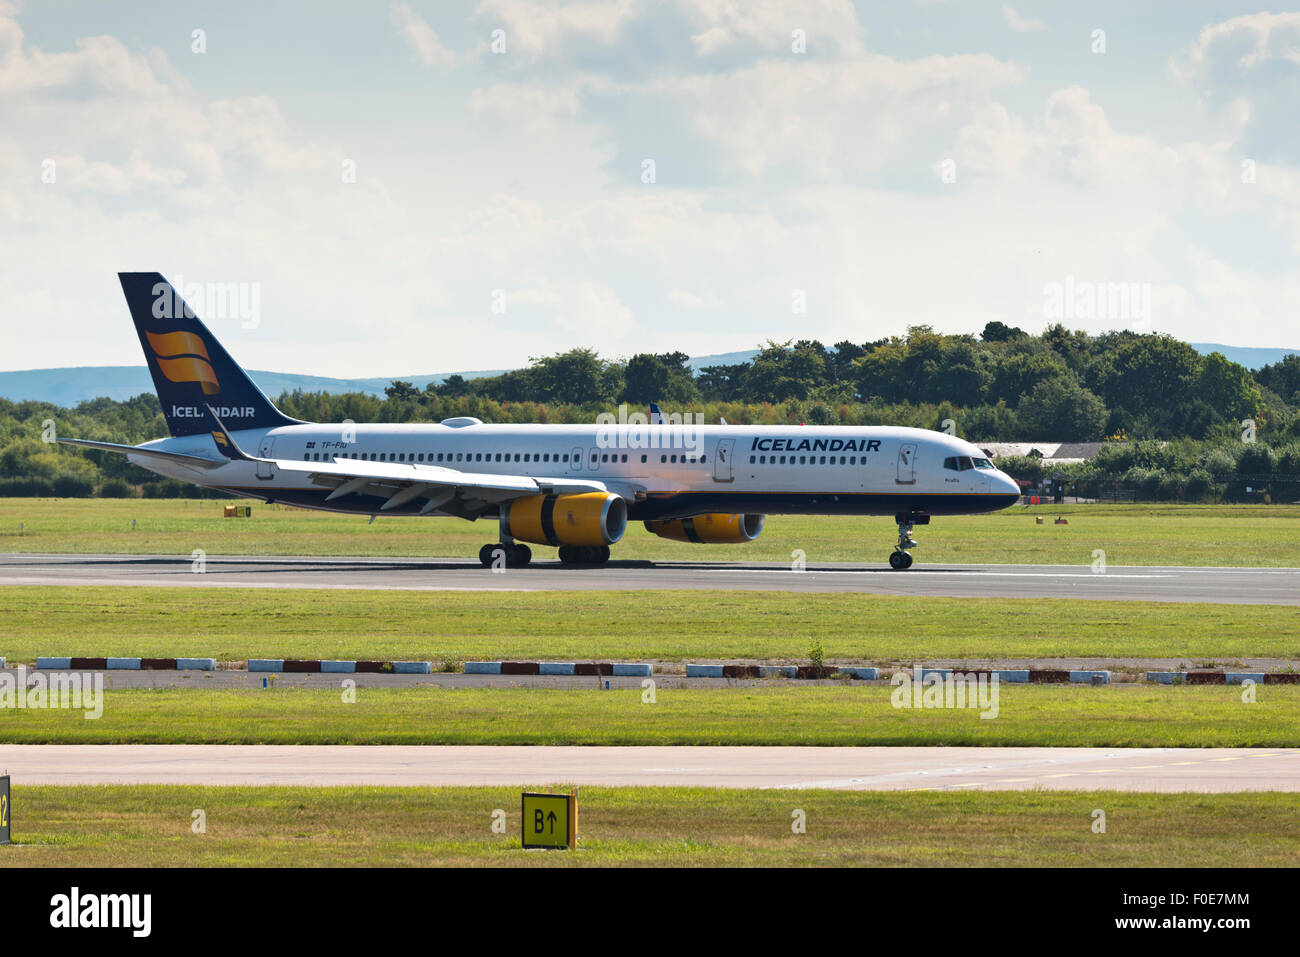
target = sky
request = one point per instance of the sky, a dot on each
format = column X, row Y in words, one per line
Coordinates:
column 403, row 188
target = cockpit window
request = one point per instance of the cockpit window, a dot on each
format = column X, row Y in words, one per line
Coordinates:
column 960, row 463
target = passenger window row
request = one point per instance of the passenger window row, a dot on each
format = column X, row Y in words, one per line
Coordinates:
column 555, row 457
column 806, row 460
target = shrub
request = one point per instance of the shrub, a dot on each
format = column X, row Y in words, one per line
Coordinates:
column 1199, row 485
column 1170, row 487
column 26, row 486
column 70, row 485
column 116, row 488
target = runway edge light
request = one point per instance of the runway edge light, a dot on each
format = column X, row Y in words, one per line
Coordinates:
column 549, row 821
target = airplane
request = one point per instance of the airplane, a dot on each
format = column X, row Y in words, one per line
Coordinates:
column 574, row 487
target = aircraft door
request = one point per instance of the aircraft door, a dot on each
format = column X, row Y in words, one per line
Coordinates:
column 907, row 464
column 575, row 460
column 593, row 459
column 722, row 461
column 264, row 469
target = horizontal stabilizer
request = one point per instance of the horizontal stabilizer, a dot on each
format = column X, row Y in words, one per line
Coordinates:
column 178, row 457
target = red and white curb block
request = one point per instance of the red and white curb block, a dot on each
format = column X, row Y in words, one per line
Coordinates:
column 125, row 664
column 317, row 666
column 576, row 668
column 1036, row 676
column 780, row 671
column 1014, row 675
column 1223, row 677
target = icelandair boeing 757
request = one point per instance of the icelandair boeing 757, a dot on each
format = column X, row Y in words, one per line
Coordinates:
column 571, row 486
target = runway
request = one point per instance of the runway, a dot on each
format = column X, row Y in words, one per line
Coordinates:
column 861, row 769
column 1271, row 586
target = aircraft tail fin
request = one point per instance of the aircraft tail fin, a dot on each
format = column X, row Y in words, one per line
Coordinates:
column 191, row 371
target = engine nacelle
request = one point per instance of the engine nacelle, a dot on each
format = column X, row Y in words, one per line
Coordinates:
column 591, row 518
column 714, row 529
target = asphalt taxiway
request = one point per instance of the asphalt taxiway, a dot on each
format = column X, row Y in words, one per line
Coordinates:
column 871, row 768
column 1270, row 586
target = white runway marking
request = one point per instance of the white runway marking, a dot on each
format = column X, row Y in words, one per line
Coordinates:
column 792, row 768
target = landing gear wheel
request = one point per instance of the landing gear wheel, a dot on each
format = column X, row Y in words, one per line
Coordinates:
column 584, row 554
column 900, row 560
column 516, row 556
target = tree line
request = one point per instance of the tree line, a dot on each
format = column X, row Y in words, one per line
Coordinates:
column 1005, row 385
column 1001, row 386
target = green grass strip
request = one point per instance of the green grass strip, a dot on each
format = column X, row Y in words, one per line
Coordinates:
column 1237, row 535
column 1117, row 716
column 330, row 827
column 647, row 625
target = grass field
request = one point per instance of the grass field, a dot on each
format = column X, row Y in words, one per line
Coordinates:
column 1129, row 534
column 645, row 625
column 151, row 826
column 1028, row 715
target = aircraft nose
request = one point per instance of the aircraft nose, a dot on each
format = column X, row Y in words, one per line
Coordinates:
column 1005, row 484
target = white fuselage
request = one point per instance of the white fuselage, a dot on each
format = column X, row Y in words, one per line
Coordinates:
column 664, row 471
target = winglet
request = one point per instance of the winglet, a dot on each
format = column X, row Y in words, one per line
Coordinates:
column 656, row 417
column 226, row 443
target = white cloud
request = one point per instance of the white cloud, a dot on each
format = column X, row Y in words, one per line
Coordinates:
column 776, row 172
column 422, row 38
column 686, row 299
column 1021, row 24
column 768, row 25
column 1247, row 71
column 616, row 36
column 843, row 119
column 100, row 62
column 535, row 28
column 1243, row 44
column 526, row 107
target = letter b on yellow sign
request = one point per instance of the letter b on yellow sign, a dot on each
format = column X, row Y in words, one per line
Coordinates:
column 550, row 821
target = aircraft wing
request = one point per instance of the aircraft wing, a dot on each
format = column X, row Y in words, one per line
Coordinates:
column 444, row 489
column 441, row 488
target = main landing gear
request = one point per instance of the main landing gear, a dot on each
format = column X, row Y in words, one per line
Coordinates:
column 900, row 559
column 513, row 555
column 584, row 554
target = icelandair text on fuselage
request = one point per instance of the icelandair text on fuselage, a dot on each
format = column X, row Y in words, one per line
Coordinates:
column 815, row 445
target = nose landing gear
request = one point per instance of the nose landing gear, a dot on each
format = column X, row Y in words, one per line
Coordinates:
column 900, row 559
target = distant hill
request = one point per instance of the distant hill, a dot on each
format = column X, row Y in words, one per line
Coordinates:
column 722, row 359
column 1250, row 358
column 68, row 386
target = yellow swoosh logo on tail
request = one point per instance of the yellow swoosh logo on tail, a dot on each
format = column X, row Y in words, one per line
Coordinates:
column 170, row 350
